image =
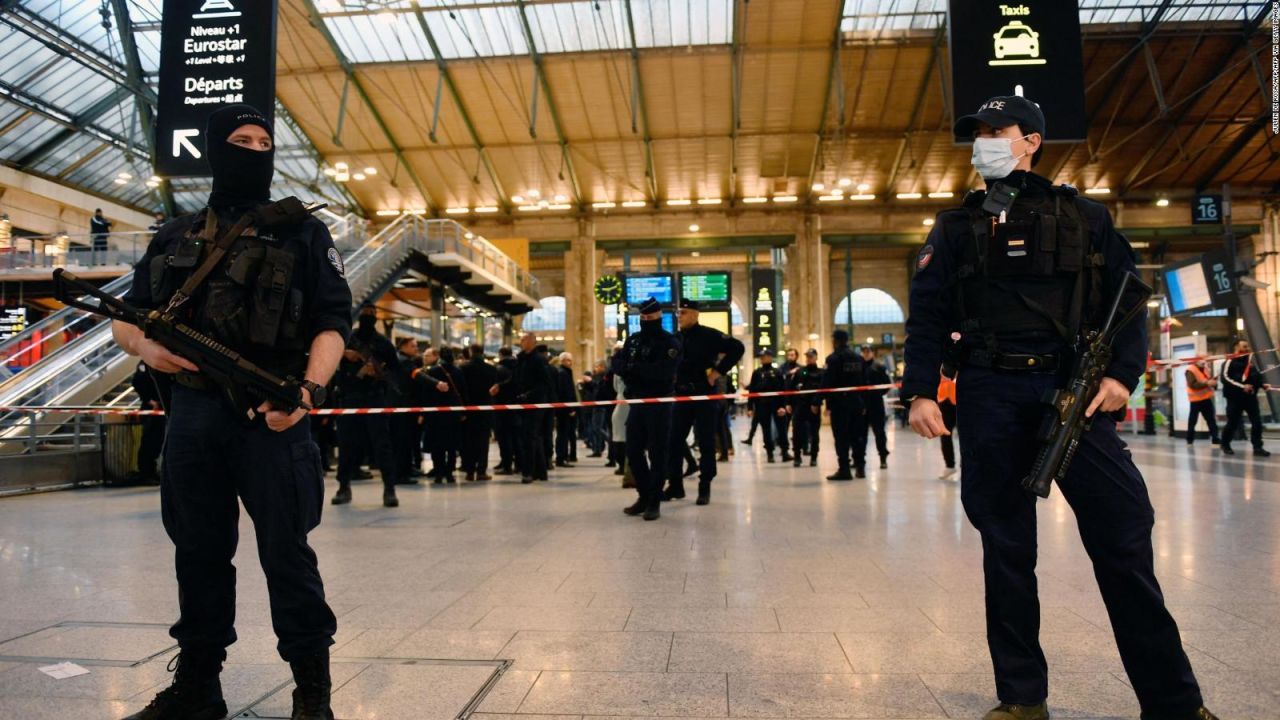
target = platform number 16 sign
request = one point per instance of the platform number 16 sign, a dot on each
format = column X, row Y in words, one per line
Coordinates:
column 1206, row 210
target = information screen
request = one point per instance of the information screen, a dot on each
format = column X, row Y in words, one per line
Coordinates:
column 712, row 287
column 668, row 323
column 657, row 285
column 13, row 320
column 718, row 319
column 1188, row 291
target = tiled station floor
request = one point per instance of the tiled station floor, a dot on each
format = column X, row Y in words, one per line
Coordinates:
column 788, row 597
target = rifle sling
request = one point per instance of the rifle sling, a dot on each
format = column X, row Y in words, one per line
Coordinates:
column 219, row 251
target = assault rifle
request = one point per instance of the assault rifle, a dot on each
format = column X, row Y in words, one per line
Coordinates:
column 245, row 384
column 1067, row 422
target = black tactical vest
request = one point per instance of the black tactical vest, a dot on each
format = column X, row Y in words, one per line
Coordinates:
column 1033, row 277
column 252, row 302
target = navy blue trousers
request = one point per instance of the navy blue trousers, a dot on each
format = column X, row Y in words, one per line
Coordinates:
column 648, row 435
column 211, row 459
column 999, row 415
column 702, row 418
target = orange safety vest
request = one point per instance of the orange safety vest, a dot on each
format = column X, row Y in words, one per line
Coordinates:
column 947, row 390
column 1193, row 394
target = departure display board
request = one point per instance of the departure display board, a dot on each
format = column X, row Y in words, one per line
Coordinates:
column 659, row 286
column 668, row 323
column 212, row 53
column 13, row 320
column 711, row 288
column 716, row 319
column 1200, row 283
column 998, row 46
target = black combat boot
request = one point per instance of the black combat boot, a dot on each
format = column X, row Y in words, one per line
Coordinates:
column 786, row 456
column 637, row 508
column 195, row 693
column 841, row 474
column 389, row 498
column 884, row 461
column 704, row 493
column 343, row 496
column 860, row 472
column 654, row 510
column 622, row 459
column 311, row 694
column 769, row 455
column 675, row 490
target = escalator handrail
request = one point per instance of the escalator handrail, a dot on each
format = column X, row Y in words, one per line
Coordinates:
column 116, row 287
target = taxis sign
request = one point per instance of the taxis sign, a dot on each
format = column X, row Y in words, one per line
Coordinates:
column 998, row 46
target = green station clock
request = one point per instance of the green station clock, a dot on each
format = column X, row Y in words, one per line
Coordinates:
column 609, row 289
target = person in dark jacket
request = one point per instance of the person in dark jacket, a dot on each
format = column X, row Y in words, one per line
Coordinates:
column 604, row 392
column 442, row 386
column 406, row 429
column 782, row 420
column 707, row 354
column 1240, row 384
column 765, row 378
column 845, row 368
column 507, row 422
column 479, row 377
column 806, row 410
column 364, row 381
column 647, row 364
column 566, row 418
column 155, row 392
column 874, row 402
column 533, row 383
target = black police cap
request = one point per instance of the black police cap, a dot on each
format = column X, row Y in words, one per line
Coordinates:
column 650, row 306
column 1001, row 112
column 840, row 336
column 764, row 352
column 687, row 304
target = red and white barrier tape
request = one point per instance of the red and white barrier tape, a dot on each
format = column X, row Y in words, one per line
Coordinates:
column 89, row 410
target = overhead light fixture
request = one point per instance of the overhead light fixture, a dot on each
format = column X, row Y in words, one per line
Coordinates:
column 469, row 235
column 928, row 222
column 457, row 211
column 1153, row 304
column 1140, row 245
column 560, row 206
column 785, row 198
column 695, row 228
column 634, row 204
column 416, row 211
column 1098, row 191
column 814, row 336
column 388, row 213
column 486, row 210
column 533, row 194
column 125, row 176
column 909, row 196
column 1162, row 202
column 846, row 182
column 941, row 195
column 154, row 179
column 371, row 171
column 604, row 205
column 863, row 187
column 517, row 199
column 121, row 181
column 819, row 187
column 529, row 208
column 830, row 198
column 754, row 200
column 695, row 253
column 330, row 171
column 862, row 196
column 560, row 198
column 709, row 201
column 358, row 176
column 871, row 340
column 341, row 166
column 679, row 203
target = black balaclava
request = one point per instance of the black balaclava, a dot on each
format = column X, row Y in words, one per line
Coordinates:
column 367, row 323
column 241, row 176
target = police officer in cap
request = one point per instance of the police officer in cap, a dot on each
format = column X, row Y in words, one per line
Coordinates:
column 215, row 458
column 806, row 409
column 766, row 378
column 1012, row 279
column 647, row 365
column 708, row 354
column 846, row 369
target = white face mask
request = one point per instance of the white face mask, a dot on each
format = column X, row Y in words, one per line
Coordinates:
column 993, row 158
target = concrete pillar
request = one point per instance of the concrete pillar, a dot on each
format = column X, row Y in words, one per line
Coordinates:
column 808, row 281
column 584, row 317
column 1268, row 270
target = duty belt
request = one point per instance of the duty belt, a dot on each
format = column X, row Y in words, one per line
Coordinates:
column 1013, row 362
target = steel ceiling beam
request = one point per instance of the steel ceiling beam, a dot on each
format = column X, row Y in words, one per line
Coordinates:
column 69, row 46
column 541, row 72
column 921, row 94
column 637, row 84
column 1243, row 138
column 442, row 66
column 826, row 105
column 318, row 23
column 62, row 117
column 146, row 113
column 91, row 113
column 735, row 93
column 283, row 114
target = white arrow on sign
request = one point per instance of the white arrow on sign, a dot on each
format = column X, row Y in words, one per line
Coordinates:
column 182, row 139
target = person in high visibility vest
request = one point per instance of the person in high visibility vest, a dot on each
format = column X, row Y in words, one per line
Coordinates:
column 947, row 403
column 1200, row 390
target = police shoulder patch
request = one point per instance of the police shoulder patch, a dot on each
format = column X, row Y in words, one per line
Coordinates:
column 336, row 261
column 672, row 352
column 926, row 255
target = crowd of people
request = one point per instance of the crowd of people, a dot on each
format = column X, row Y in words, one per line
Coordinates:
column 443, row 447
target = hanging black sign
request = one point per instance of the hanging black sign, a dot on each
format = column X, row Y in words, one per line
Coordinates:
column 999, row 45
column 766, row 309
column 212, row 53
column 1206, row 210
